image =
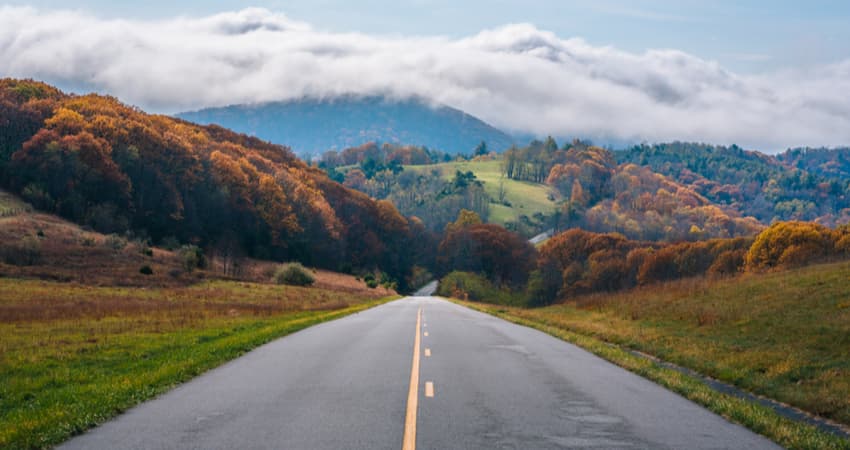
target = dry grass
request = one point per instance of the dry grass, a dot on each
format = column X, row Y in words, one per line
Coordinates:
column 262, row 272
column 72, row 355
column 69, row 253
column 785, row 335
column 72, row 254
column 85, row 335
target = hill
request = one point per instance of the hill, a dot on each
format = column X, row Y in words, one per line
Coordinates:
column 800, row 184
column 783, row 335
column 513, row 202
column 100, row 163
column 312, row 126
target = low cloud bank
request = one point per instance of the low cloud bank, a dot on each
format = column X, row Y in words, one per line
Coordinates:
column 516, row 77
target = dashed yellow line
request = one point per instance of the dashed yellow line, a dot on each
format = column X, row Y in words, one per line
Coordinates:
column 409, row 442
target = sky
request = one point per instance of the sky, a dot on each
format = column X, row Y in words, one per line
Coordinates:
column 763, row 74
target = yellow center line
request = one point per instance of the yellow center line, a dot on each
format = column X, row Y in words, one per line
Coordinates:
column 409, row 442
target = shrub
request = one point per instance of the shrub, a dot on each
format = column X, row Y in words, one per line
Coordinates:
column 293, row 274
column 788, row 244
column 170, row 243
column 192, row 257
column 728, row 263
column 115, row 242
column 370, row 281
column 471, row 286
column 146, row 270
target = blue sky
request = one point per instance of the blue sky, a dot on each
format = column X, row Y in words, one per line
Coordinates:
column 747, row 35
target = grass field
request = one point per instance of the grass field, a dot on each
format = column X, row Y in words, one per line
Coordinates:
column 784, row 335
column 72, row 356
column 525, row 198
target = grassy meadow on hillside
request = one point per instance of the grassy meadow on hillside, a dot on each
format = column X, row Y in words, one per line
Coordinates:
column 525, row 198
column 784, row 335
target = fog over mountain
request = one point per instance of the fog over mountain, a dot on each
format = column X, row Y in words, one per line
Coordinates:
column 516, row 77
column 311, row 126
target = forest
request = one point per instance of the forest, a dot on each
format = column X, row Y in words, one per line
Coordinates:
column 629, row 218
column 111, row 167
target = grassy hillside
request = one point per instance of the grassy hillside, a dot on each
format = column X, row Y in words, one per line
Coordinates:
column 72, row 356
column 77, row 351
column 524, row 197
column 785, row 335
column 116, row 169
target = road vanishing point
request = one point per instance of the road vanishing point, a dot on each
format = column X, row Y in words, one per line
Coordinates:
column 420, row 372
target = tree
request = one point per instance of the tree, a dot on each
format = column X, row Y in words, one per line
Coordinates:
column 503, row 257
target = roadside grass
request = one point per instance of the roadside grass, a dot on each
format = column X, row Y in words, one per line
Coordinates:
column 783, row 335
column 525, row 198
column 73, row 356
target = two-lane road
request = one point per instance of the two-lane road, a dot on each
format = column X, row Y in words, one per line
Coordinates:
column 482, row 383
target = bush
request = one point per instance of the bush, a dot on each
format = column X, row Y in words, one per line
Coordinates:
column 170, row 243
column 471, row 286
column 26, row 252
column 790, row 244
column 146, row 270
column 293, row 274
column 192, row 257
column 115, row 242
column 370, row 281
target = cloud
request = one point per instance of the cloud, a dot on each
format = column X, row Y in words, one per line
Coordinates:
column 516, row 77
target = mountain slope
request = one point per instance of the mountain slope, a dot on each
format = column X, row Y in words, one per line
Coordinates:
column 98, row 162
column 795, row 185
column 311, row 126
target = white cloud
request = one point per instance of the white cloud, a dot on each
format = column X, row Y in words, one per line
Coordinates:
column 516, row 77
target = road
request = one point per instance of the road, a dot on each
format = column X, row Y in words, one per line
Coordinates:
column 481, row 383
column 542, row 236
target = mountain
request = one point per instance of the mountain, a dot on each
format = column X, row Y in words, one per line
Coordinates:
column 312, row 126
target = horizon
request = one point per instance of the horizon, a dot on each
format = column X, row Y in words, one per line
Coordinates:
column 534, row 78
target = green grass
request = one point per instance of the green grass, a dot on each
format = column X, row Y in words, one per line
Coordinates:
column 525, row 198
column 73, row 356
column 784, row 335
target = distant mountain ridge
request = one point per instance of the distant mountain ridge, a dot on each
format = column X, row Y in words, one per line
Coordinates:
column 312, row 126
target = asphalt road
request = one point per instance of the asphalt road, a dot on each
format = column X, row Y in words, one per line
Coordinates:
column 482, row 383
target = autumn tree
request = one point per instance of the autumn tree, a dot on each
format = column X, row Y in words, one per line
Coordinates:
column 503, row 257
